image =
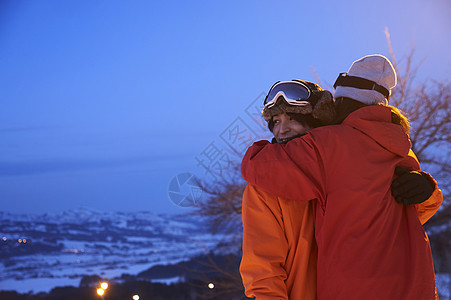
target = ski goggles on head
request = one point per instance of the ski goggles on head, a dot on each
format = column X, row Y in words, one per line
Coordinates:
column 294, row 92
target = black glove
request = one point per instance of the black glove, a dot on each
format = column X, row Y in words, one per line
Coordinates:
column 411, row 187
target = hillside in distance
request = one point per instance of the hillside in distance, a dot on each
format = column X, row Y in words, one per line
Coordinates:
column 41, row 251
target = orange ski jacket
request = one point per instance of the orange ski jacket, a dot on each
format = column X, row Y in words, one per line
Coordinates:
column 279, row 248
column 369, row 246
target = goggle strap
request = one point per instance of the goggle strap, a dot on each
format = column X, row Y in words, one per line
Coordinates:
column 360, row 83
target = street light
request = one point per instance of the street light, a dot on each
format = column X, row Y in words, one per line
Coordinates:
column 135, row 297
column 100, row 291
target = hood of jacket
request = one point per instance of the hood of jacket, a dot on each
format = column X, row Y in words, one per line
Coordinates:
column 375, row 122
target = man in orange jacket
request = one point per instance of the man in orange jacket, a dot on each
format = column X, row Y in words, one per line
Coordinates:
column 279, row 251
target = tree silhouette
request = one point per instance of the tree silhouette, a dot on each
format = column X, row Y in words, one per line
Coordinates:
column 427, row 105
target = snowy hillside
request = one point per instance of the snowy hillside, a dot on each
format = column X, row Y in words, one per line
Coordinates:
column 39, row 252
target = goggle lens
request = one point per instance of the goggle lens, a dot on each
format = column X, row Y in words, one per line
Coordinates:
column 292, row 91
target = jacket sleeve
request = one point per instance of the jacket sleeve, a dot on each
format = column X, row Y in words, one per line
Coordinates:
column 428, row 208
column 264, row 247
column 292, row 171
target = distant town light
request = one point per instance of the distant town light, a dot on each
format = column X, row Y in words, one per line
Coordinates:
column 19, row 240
column 104, row 285
column 4, row 238
column 211, row 285
column 135, row 297
column 100, row 291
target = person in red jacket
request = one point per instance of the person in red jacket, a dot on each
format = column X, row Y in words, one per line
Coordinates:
column 288, row 271
column 369, row 246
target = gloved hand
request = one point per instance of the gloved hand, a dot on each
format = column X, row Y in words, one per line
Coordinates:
column 411, row 187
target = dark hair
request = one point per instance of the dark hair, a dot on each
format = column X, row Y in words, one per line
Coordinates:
column 346, row 106
column 306, row 121
column 397, row 117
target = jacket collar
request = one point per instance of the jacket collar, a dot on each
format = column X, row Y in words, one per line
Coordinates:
column 375, row 122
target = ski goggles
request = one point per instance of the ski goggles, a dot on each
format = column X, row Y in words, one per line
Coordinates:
column 294, row 92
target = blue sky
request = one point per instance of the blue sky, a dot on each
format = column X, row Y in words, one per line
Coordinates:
column 104, row 102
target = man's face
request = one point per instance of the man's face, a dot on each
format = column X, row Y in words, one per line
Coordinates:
column 286, row 128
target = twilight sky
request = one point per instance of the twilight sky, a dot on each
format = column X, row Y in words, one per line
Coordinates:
column 104, row 103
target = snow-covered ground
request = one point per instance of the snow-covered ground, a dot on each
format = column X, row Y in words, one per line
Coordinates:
column 444, row 286
column 36, row 285
column 60, row 249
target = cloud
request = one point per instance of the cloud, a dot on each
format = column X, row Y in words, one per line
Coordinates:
column 36, row 167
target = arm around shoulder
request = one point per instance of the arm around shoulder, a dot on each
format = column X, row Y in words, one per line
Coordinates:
column 290, row 171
